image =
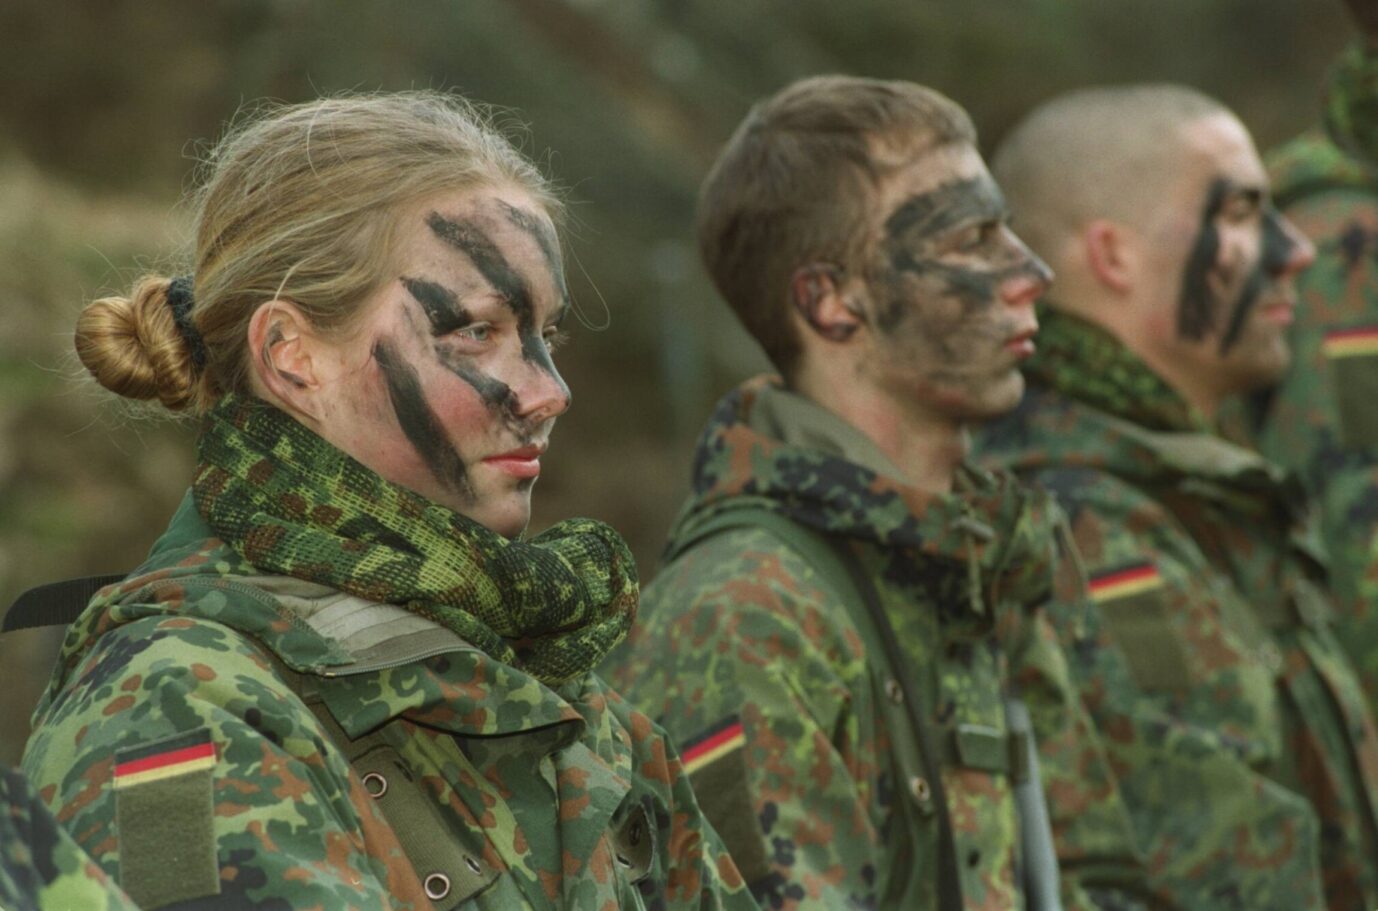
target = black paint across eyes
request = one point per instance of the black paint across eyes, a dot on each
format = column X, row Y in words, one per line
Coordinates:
column 1276, row 252
column 488, row 259
column 929, row 214
column 418, row 422
column 441, row 305
column 1196, row 303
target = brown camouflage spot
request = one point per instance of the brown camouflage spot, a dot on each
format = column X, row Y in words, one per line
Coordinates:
column 81, row 734
column 94, row 782
column 325, row 514
column 176, row 623
column 118, row 705
column 228, row 808
column 728, row 872
column 131, row 684
column 550, row 882
column 202, row 672
column 261, row 472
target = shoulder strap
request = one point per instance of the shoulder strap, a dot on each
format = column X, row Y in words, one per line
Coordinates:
column 54, row 604
column 837, row 565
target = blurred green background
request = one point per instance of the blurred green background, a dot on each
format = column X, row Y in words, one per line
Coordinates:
column 106, row 104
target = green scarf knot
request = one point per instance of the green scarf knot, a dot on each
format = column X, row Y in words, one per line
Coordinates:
column 291, row 503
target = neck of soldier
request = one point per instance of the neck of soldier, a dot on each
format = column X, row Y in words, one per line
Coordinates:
column 928, row 448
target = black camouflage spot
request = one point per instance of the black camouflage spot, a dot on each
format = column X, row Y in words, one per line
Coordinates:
column 1353, row 243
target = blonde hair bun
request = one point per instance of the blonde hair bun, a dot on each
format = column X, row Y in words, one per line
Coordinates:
column 132, row 346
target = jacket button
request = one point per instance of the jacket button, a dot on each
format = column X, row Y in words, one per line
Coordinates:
column 894, row 691
column 437, row 886
column 918, row 786
column 375, row 784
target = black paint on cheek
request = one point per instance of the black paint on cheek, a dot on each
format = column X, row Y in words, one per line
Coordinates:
column 1196, row 304
column 495, row 394
column 1277, row 249
column 441, row 305
column 418, row 422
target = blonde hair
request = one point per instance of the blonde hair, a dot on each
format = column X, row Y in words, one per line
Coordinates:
column 298, row 202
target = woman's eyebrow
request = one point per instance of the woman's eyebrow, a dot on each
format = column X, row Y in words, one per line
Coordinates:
column 441, row 305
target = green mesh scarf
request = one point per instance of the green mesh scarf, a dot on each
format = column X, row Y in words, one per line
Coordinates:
column 291, row 503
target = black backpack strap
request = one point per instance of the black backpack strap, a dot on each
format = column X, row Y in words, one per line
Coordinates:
column 54, row 604
column 833, row 559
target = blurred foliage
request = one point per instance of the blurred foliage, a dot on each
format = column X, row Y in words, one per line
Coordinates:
column 106, row 104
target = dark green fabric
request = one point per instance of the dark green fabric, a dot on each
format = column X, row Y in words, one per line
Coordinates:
column 291, row 503
column 1086, row 362
column 166, row 830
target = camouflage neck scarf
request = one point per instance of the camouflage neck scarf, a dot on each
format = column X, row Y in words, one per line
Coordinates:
column 1086, row 363
column 291, row 503
column 993, row 533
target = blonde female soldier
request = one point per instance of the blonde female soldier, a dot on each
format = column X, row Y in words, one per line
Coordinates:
column 343, row 679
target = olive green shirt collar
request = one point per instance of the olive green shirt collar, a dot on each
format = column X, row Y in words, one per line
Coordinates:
column 798, row 421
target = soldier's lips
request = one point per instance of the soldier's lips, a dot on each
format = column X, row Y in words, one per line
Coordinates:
column 1280, row 313
column 1022, row 345
column 519, row 463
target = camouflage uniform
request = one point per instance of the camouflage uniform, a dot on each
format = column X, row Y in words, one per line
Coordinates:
column 1321, row 421
column 182, row 694
column 41, row 868
column 1210, row 661
column 741, row 635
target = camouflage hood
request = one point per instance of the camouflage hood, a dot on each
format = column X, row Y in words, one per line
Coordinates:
column 1093, row 404
column 991, row 528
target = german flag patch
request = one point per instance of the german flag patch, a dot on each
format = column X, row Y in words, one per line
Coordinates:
column 179, row 755
column 1125, row 581
column 718, row 741
column 1356, row 342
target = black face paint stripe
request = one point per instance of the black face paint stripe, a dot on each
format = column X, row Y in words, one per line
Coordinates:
column 490, row 262
column 1276, row 249
column 1196, row 309
column 496, row 395
column 545, row 238
column 441, row 305
column 418, row 422
column 931, row 213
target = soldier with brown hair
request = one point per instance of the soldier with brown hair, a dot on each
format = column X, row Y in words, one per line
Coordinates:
column 848, row 604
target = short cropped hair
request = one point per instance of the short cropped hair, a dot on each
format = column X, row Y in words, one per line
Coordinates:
column 1104, row 152
column 796, row 184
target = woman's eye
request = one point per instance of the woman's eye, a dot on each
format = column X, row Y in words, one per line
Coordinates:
column 554, row 338
column 475, row 333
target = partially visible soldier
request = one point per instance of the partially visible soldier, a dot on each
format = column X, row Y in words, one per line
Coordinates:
column 41, row 867
column 1321, row 420
column 1246, row 750
column 832, row 637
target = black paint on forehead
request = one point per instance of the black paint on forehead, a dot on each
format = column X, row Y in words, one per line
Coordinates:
column 418, row 422
column 544, row 235
column 944, row 207
column 441, row 305
column 470, row 240
column 1196, row 303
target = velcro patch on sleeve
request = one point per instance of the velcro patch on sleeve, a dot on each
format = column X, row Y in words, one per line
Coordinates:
column 165, row 819
column 716, row 764
column 1124, row 582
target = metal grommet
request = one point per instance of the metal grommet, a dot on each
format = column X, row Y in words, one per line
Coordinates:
column 375, row 784
column 472, row 864
column 894, row 690
column 918, row 786
column 437, row 886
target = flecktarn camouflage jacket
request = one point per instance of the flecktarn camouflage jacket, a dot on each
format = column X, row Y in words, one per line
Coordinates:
column 757, row 667
column 1244, row 745
column 198, row 735
column 1321, row 420
column 41, row 867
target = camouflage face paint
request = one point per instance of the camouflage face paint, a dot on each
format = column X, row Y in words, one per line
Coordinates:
column 912, row 230
column 446, row 314
column 418, row 422
column 1199, row 304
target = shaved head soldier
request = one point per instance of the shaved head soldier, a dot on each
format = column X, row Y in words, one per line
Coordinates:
column 1242, row 742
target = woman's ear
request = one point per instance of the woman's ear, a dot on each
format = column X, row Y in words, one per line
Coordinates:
column 282, row 343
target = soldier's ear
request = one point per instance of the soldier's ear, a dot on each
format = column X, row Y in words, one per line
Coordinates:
column 819, row 295
column 1110, row 254
column 284, row 345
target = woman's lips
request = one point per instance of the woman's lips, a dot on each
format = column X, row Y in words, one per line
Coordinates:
column 519, row 463
column 1022, row 345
